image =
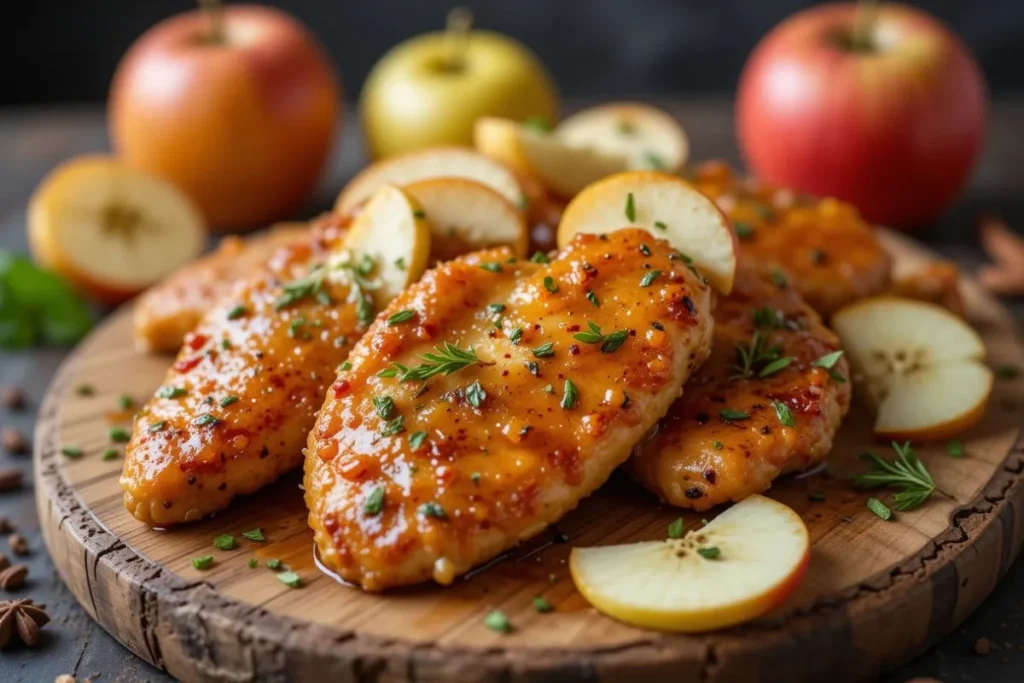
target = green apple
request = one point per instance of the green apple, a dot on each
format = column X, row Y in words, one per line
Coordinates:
column 429, row 90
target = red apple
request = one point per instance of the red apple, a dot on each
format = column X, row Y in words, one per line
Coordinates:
column 237, row 106
column 882, row 107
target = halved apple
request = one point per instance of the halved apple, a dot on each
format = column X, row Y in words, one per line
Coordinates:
column 435, row 162
column 465, row 215
column 388, row 244
column 738, row 567
column 563, row 168
column 920, row 366
column 665, row 205
column 110, row 229
column 647, row 136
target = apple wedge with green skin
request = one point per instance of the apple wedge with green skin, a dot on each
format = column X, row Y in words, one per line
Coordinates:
column 646, row 135
column 666, row 206
column 435, row 162
column 920, row 367
column 745, row 562
column 391, row 237
column 465, row 215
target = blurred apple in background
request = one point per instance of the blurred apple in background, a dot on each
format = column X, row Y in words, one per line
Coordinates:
column 881, row 106
column 430, row 90
column 238, row 106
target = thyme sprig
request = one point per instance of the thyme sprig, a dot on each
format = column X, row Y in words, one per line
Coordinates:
column 906, row 473
column 444, row 360
column 758, row 359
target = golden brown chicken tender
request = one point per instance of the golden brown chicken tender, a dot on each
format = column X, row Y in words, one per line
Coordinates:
column 237, row 404
column 832, row 254
column 768, row 401
column 508, row 391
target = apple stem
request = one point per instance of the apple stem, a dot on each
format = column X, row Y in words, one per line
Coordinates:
column 863, row 38
column 457, row 26
column 213, row 10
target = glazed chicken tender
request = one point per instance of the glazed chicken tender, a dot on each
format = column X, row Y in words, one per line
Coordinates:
column 494, row 395
column 768, row 401
column 236, row 406
column 833, row 255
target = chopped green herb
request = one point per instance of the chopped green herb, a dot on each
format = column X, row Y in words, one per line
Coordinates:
column 444, row 360
column 416, row 440
column 492, row 267
column 273, row 563
column 542, row 605
column 540, row 257
column 718, row 445
column 550, row 285
column 253, row 563
column 757, row 354
column 570, row 395
column 400, row 263
column 419, row 213
column 744, row 230
column 497, row 621
column 375, row 501
column 225, row 343
column 769, row 319
column 779, row 278
column 125, row 402
column 254, row 534
column 537, row 124
column 309, row 286
column 475, row 394
column 709, row 553
column 515, row 335
column 228, row 400
column 730, row 415
column 544, row 350
column 434, row 510
column 384, row 405
column 906, row 473
column 630, row 208
column 609, row 343
column 110, row 454
column 85, row 390
column 171, row 392
column 494, row 309
column 660, row 225
column 204, row 562
column 645, row 250
column 346, row 366
column 880, row 509
column 775, row 366
column 206, row 420
column 649, row 277
column 784, row 414
column 119, row 435
column 158, row 426
column 475, row 478
column 401, row 317
column 675, row 529
column 237, row 312
column 955, row 448
column 592, row 298
column 72, row 451
column 364, row 309
column 393, row 427
column 290, row 579
column 829, row 360
column 224, row 542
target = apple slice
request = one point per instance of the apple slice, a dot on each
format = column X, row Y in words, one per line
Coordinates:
column 388, row 244
column 465, row 216
column 563, row 168
column 646, row 135
column 920, row 365
column 738, row 567
column 665, row 205
column 435, row 162
column 110, row 229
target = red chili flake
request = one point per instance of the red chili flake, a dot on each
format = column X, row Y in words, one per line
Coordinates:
column 340, row 388
column 196, row 341
column 186, row 364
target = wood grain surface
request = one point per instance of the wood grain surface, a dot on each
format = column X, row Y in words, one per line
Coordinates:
column 877, row 593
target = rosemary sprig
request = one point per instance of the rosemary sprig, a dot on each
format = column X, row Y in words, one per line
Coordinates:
column 906, row 473
column 444, row 360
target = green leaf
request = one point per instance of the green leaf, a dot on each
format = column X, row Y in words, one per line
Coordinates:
column 433, row 510
column 171, row 392
column 784, row 414
column 649, row 277
column 119, row 435
column 110, row 454
column 228, row 400
column 880, row 509
column 544, row 350
column 254, row 534
column 497, row 621
column 493, row 267
column 273, row 563
column 290, row 579
column 515, row 335
column 630, row 208
column 675, row 529
column 592, row 298
column 416, row 440
column 393, row 427
column 475, row 394
column 744, row 230
column 829, row 360
column 540, row 257
column 384, row 405
column 570, row 395
column 47, row 306
column 224, row 542
column 72, row 451
column 401, row 317
column 375, row 501
column 776, row 366
column 203, row 562
column 550, row 285
column 542, row 605
column 711, row 553
column 955, row 448
column 730, row 415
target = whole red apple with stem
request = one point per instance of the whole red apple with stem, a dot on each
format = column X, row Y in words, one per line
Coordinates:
column 879, row 105
column 237, row 105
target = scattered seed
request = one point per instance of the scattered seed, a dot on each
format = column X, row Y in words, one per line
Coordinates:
column 13, row 441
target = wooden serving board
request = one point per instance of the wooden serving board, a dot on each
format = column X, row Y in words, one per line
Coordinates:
column 877, row 593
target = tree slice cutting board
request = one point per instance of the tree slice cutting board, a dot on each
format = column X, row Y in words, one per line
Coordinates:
column 876, row 594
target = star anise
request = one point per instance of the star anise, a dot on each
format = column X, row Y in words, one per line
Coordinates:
column 21, row 618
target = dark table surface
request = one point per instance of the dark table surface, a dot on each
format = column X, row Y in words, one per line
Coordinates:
column 33, row 141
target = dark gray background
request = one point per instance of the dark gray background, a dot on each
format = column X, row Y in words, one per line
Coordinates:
column 66, row 50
